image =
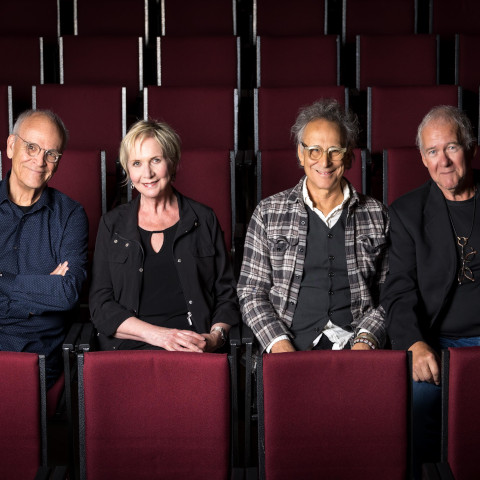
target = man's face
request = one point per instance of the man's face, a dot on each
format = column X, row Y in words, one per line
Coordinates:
column 447, row 161
column 323, row 175
column 32, row 173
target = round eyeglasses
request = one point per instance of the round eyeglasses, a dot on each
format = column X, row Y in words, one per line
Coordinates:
column 52, row 156
column 315, row 152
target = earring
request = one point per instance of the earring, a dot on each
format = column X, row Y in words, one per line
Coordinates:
column 132, row 186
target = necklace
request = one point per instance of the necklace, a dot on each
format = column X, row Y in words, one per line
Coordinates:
column 467, row 252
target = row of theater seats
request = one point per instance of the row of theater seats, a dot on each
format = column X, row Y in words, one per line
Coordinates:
column 153, row 414
column 380, row 60
column 96, row 116
column 223, row 17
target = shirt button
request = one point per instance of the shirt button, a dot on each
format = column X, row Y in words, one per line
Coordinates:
column 330, row 292
column 127, row 244
column 302, row 222
column 115, row 241
column 301, row 250
column 331, row 257
column 316, row 330
column 331, row 274
column 330, row 235
column 140, row 270
column 329, row 313
column 179, row 260
column 190, row 302
column 292, row 302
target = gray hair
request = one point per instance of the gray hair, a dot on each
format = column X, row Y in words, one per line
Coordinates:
column 163, row 133
column 330, row 110
column 53, row 117
column 453, row 115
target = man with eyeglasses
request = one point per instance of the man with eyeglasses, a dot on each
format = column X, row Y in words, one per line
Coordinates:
column 316, row 254
column 44, row 238
column 431, row 295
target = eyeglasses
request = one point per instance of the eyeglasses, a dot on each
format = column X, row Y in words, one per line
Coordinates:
column 466, row 255
column 52, row 156
column 315, row 152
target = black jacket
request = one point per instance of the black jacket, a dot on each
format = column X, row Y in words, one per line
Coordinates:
column 423, row 266
column 202, row 263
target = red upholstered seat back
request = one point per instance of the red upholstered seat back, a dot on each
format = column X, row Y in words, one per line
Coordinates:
column 20, row 439
column 389, row 60
column 281, row 59
column 205, row 176
column 464, row 412
column 403, row 171
column 325, row 412
column 156, row 414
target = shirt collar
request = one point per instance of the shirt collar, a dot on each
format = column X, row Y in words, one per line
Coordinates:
column 44, row 200
column 307, row 200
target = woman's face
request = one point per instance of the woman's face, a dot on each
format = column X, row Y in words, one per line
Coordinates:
column 148, row 169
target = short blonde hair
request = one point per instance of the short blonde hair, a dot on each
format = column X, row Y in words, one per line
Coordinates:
column 163, row 133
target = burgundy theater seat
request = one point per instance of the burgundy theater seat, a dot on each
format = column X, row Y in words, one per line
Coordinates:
column 461, row 416
column 403, row 171
column 322, row 414
column 154, row 414
column 389, row 60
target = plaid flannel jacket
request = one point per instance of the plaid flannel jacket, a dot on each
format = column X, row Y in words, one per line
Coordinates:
column 274, row 254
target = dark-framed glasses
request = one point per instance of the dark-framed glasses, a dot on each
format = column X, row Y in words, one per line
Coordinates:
column 467, row 254
column 315, row 152
column 52, row 156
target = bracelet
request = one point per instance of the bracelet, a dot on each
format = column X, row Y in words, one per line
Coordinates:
column 368, row 336
column 364, row 340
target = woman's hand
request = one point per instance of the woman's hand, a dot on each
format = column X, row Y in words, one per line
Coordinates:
column 181, row 340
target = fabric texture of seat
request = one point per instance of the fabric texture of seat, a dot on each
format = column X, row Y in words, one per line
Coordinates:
column 394, row 113
column 389, row 60
column 461, row 427
column 446, row 20
column 322, row 413
column 23, row 415
column 280, row 59
column 29, row 18
column 194, row 18
column 204, row 117
column 207, row 176
column 81, row 175
column 403, row 170
column 103, row 60
column 377, row 16
column 308, row 17
column 467, row 71
column 95, row 116
column 154, row 414
column 17, row 52
column 112, row 17
column 207, row 61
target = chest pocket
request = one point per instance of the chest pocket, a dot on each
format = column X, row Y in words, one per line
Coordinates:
column 372, row 249
column 282, row 251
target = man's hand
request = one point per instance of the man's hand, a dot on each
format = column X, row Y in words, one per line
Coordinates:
column 425, row 363
column 282, row 346
column 361, row 346
column 61, row 269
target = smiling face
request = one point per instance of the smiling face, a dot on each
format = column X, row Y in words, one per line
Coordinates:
column 448, row 163
column 148, row 169
column 29, row 175
column 324, row 175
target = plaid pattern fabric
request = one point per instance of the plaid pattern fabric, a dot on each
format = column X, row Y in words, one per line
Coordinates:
column 274, row 254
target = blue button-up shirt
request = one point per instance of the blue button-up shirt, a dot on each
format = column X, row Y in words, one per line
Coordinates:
column 33, row 303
